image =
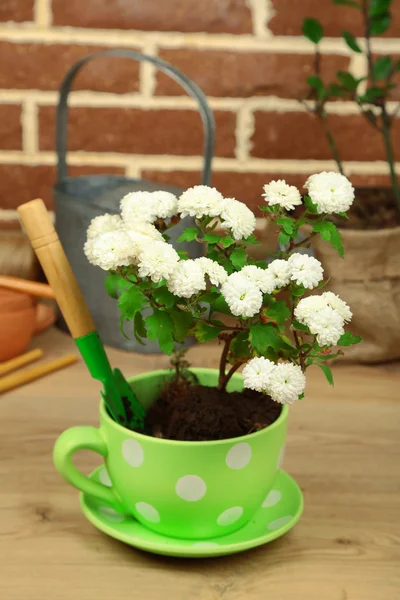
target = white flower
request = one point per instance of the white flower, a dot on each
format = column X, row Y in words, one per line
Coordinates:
column 141, row 234
column 110, row 250
column 307, row 307
column 279, row 270
column 187, row 279
column 138, row 207
column 281, row 193
column 200, row 201
column 327, row 325
column 166, row 204
column 260, row 277
column 339, row 305
column 330, row 191
column 242, row 296
column 157, row 260
column 257, row 373
column 287, row 382
column 215, row 271
column 237, row 217
column 305, row 270
column 104, row 224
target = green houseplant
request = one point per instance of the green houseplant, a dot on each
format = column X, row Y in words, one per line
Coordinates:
column 371, row 276
column 213, row 439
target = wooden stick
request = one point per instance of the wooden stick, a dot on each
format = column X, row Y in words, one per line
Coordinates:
column 20, row 361
column 43, row 290
column 23, row 377
column 51, row 255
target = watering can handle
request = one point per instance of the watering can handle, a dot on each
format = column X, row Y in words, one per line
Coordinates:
column 191, row 88
column 48, row 249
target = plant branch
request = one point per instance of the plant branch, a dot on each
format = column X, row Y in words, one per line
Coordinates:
column 227, row 338
column 231, row 371
column 386, row 133
column 331, row 142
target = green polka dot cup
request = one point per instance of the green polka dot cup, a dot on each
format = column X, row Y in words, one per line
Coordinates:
column 192, row 490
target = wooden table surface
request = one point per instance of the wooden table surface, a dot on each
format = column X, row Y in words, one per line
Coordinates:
column 343, row 449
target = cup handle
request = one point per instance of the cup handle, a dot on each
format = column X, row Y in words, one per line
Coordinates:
column 83, row 438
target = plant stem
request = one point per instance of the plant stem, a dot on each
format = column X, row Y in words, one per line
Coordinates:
column 331, row 142
column 227, row 338
column 231, row 371
column 297, row 341
column 386, row 133
column 367, row 35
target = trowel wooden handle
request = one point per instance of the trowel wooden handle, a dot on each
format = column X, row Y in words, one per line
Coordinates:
column 51, row 255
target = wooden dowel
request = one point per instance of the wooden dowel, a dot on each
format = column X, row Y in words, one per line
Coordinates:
column 23, row 377
column 42, row 290
column 20, row 361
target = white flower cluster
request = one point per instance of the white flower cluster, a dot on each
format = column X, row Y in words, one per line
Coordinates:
column 243, row 291
column 189, row 277
column 147, row 207
column 284, row 382
column 330, row 191
column 325, row 316
column 202, row 201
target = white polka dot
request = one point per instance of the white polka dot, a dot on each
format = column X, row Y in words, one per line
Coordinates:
column 148, row 512
column 273, row 498
column 111, row 514
column 191, row 488
column 279, row 522
column 205, row 545
column 230, row 516
column 105, row 478
column 280, row 458
column 238, row 456
column 133, row 453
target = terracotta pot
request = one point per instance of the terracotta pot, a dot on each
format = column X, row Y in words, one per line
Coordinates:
column 368, row 279
column 20, row 319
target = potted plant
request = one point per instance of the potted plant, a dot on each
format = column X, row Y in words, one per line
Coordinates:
column 369, row 279
column 208, row 457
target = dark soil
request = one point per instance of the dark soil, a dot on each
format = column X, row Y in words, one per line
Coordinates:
column 198, row 413
column 373, row 208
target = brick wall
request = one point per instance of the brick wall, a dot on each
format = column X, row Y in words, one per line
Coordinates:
column 247, row 55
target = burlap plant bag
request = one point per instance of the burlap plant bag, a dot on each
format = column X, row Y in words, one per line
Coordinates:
column 368, row 279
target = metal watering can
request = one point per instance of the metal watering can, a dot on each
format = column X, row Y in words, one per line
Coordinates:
column 77, row 200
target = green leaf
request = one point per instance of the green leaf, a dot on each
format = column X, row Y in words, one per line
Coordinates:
column 188, row 235
column 130, row 302
column 351, row 41
column 220, row 305
column 327, row 372
column 315, row 82
column 378, row 7
column 278, row 312
column 380, row 23
column 298, row 290
column 139, row 329
column 382, row 67
column 115, row 284
column 161, row 327
column 287, row 224
column 183, row 322
column 227, row 241
column 313, row 30
column 371, row 95
column 264, row 336
column 164, row 296
column 238, row 258
column 300, row 327
column 204, row 332
column 351, row 3
column 252, row 239
column 310, row 206
column 211, row 238
column 183, row 255
column 209, row 297
column 283, row 238
column 330, row 233
column 348, row 80
column 348, row 339
column 240, row 346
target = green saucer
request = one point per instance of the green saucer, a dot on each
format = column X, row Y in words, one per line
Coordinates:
column 280, row 512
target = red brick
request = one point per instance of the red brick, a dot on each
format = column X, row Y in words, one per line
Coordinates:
column 242, row 74
column 43, row 66
column 135, row 131
column 248, row 187
column 300, row 136
column 289, row 16
column 10, row 127
column 16, row 10
column 20, row 183
column 213, row 16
